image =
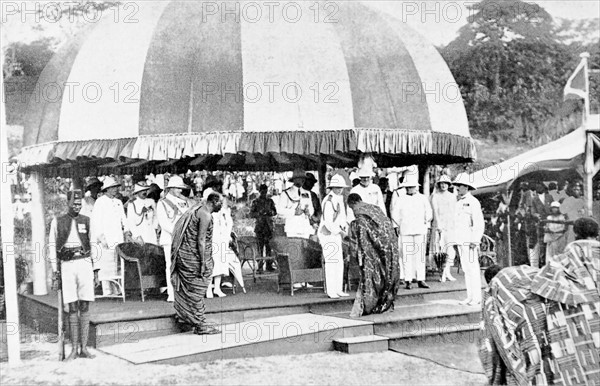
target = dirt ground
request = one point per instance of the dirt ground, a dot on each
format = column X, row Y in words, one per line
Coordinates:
column 40, row 367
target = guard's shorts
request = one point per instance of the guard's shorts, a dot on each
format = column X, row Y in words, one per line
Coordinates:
column 77, row 280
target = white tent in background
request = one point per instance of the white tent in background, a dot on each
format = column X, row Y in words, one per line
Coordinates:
column 567, row 152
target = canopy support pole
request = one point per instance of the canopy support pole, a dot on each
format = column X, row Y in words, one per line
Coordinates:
column 7, row 231
column 510, row 259
column 38, row 234
column 322, row 176
column 426, row 181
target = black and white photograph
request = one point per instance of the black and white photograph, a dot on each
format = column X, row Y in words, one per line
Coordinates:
column 300, row 192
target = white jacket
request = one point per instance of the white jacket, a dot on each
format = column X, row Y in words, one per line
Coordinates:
column 334, row 220
column 108, row 222
column 411, row 214
column 141, row 216
column 468, row 224
column 168, row 211
column 371, row 195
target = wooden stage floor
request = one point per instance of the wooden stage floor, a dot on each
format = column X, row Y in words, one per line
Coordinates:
column 260, row 295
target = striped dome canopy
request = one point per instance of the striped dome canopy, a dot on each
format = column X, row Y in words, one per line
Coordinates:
column 266, row 85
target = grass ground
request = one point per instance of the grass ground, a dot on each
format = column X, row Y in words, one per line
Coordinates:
column 40, row 367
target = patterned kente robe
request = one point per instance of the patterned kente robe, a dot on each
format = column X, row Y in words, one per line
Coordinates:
column 190, row 273
column 513, row 345
column 569, row 286
column 375, row 245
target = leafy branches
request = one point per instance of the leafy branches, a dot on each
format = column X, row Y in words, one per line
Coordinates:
column 511, row 69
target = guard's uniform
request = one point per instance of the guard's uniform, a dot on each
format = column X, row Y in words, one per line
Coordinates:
column 468, row 228
column 69, row 239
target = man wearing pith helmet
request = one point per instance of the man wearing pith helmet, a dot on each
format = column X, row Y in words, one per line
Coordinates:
column 467, row 233
column 109, row 228
column 333, row 228
column 369, row 192
column 141, row 214
column 412, row 215
column 168, row 211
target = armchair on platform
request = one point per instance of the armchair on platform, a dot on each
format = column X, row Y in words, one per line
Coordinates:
column 142, row 267
column 118, row 281
column 299, row 261
column 248, row 252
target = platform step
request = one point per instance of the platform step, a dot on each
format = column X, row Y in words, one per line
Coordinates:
column 361, row 344
column 431, row 320
column 297, row 334
column 465, row 334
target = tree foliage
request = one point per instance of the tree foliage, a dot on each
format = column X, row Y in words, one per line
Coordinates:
column 28, row 59
column 511, row 69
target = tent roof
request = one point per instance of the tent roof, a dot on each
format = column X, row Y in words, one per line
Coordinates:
column 181, row 83
column 564, row 153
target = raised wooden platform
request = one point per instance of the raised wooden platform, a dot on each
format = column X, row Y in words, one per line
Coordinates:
column 419, row 314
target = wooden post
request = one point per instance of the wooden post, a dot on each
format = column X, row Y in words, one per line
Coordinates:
column 588, row 170
column 38, row 234
column 510, row 261
column 426, row 181
column 13, row 338
column 322, row 177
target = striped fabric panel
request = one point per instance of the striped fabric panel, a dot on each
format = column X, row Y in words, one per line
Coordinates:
column 304, row 63
column 41, row 120
column 575, row 344
column 112, row 61
column 386, row 87
column 438, row 89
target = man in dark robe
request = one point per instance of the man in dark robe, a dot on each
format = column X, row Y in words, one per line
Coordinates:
column 375, row 245
column 192, row 263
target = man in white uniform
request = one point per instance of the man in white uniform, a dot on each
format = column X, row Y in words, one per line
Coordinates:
column 468, row 231
column 412, row 215
column 443, row 204
column 141, row 215
column 295, row 205
column 109, row 228
column 332, row 229
column 168, row 211
column 369, row 192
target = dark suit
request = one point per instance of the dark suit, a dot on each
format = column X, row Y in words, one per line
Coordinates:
column 541, row 208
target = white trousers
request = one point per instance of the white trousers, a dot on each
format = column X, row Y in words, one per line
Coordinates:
column 167, row 249
column 334, row 263
column 412, row 253
column 469, row 261
column 105, row 260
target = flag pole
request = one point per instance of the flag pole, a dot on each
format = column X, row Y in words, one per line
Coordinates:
column 588, row 167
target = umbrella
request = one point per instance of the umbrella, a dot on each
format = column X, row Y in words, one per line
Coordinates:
column 263, row 94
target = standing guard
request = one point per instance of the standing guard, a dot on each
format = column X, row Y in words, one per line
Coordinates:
column 69, row 241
